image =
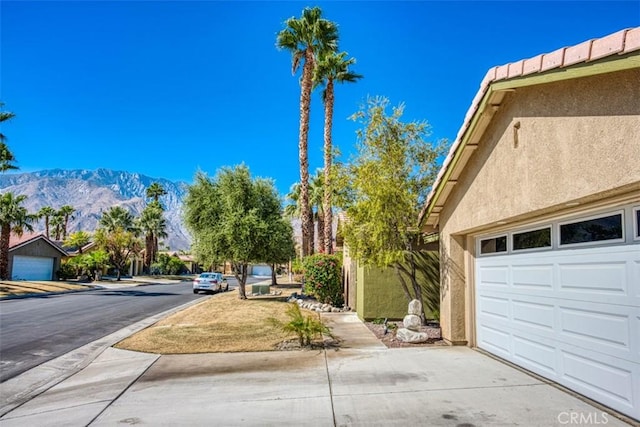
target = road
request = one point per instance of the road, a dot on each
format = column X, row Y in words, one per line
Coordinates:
column 37, row 329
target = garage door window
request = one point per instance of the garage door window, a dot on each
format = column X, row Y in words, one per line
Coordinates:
column 533, row 239
column 598, row 229
column 493, row 245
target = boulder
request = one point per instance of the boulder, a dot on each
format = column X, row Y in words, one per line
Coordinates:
column 415, row 307
column 406, row 335
column 412, row 322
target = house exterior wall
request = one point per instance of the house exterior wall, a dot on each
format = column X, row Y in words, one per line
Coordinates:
column 38, row 248
column 578, row 141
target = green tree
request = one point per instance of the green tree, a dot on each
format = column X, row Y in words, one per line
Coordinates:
column 46, row 212
column 306, row 38
column 66, row 213
column 155, row 191
column 121, row 245
column 281, row 246
column 6, row 156
column 233, row 217
column 316, row 191
column 153, row 225
column 391, row 175
column 117, row 217
column 78, row 240
column 332, row 68
column 13, row 218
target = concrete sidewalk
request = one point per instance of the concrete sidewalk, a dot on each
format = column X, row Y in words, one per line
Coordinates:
column 362, row 384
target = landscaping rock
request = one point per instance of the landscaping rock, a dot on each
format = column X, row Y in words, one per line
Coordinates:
column 412, row 322
column 406, row 335
column 415, row 307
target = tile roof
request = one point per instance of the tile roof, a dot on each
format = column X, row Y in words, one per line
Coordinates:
column 16, row 241
column 619, row 43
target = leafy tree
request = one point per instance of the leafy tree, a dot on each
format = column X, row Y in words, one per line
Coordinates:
column 391, row 176
column 306, row 38
column 168, row 265
column 117, row 217
column 332, row 68
column 6, row 156
column 120, row 245
column 153, row 225
column 234, row 217
column 46, row 212
column 282, row 246
column 13, row 218
column 79, row 239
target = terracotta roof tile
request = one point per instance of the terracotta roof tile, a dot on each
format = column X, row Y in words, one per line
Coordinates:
column 632, row 40
column 502, row 72
column 605, row 46
column 15, row 240
column 578, row 53
column 532, row 65
column 515, row 69
column 552, row 60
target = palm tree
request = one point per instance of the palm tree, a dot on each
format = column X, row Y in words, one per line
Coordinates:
column 307, row 38
column 65, row 212
column 117, row 217
column 6, row 156
column 46, row 212
column 292, row 210
column 153, row 225
column 79, row 239
column 13, row 218
column 332, row 68
column 155, row 191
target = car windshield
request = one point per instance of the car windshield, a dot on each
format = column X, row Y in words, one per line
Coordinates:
column 207, row 276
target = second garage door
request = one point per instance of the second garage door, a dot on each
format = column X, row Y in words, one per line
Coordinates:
column 570, row 315
column 32, row 268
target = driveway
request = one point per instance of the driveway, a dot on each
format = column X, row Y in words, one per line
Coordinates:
column 360, row 384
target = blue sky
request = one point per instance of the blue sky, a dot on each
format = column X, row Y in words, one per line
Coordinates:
column 169, row 88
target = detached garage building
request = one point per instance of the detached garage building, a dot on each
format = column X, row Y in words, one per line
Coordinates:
column 33, row 257
column 538, row 210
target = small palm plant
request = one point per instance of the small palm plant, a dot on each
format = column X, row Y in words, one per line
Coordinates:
column 306, row 328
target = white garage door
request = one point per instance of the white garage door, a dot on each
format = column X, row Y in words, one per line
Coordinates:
column 261, row 270
column 32, row 268
column 569, row 314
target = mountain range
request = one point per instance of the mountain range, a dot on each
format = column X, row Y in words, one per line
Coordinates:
column 93, row 192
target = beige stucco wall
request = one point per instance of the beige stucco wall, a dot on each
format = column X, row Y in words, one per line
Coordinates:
column 578, row 140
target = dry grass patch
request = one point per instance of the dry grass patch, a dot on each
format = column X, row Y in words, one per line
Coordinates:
column 22, row 288
column 223, row 323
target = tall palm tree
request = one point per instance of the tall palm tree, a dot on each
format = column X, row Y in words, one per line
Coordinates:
column 153, row 225
column 13, row 218
column 117, row 217
column 155, row 191
column 46, row 212
column 292, row 210
column 307, row 38
column 332, row 68
column 65, row 212
column 6, row 156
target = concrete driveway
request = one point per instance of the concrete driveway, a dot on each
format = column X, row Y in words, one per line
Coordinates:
column 361, row 384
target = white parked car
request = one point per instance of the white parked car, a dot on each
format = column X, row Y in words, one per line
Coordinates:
column 210, row 282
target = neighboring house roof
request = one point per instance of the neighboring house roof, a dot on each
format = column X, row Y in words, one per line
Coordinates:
column 617, row 51
column 16, row 242
column 73, row 251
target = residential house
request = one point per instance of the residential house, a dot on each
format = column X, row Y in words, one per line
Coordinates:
column 537, row 207
column 33, row 256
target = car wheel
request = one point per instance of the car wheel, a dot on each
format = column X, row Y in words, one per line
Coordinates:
column 195, row 291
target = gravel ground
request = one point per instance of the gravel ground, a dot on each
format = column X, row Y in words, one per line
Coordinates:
column 389, row 338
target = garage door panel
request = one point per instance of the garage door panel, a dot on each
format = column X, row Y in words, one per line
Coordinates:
column 494, row 276
column 534, row 314
column 597, row 277
column 494, row 306
column 592, row 326
column 538, row 356
column 610, row 379
column 533, row 277
column 31, row 268
column 495, row 340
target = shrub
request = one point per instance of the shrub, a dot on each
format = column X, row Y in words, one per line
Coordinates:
column 167, row 265
column 67, row 271
column 322, row 278
column 306, row 328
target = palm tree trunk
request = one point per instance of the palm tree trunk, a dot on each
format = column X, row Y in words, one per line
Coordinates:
column 305, row 107
column 321, row 247
column 328, row 123
column 311, row 237
column 4, row 251
column 148, row 256
column 46, row 225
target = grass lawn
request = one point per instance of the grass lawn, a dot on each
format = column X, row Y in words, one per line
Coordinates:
column 8, row 288
column 223, row 323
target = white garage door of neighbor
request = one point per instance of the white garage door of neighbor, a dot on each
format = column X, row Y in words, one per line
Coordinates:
column 572, row 316
column 261, row 270
column 32, row 268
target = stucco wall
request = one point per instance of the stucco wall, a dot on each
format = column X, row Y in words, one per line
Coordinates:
column 578, row 140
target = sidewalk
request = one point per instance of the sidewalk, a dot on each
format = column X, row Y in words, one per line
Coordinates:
column 362, row 384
